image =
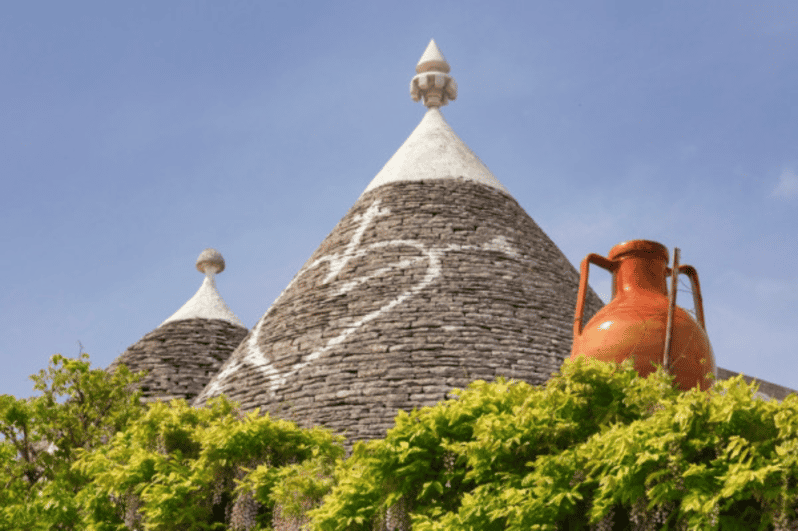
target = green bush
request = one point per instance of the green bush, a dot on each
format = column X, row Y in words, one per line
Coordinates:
column 183, row 468
column 597, row 446
column 79, row 409
column 88, row 455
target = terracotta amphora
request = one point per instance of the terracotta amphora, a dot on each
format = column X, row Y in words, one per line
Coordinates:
column 634, row 323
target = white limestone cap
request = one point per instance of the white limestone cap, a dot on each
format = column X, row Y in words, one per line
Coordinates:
column 206, row 302
column 434, row 151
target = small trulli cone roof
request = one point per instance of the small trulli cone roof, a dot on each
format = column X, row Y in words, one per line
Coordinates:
column 187, row 349
column 434, row 278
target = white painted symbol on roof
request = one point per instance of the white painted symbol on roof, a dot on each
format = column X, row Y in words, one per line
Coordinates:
column 255, row 356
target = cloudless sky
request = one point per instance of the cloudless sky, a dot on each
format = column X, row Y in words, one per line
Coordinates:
column 135, row 134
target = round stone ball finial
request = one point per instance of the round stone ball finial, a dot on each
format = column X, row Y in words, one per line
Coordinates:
column 210, row 261
column 432, row 80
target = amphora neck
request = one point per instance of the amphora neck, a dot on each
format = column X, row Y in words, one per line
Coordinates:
column 642, row 267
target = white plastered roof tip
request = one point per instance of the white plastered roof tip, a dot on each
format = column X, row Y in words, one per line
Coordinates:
column 434, row 151
column 206, row 302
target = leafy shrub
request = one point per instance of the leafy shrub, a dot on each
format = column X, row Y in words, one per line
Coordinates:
column 183, row 468
column 598, row 447
column 79, row 408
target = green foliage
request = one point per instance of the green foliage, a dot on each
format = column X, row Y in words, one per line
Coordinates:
column 87, row 454
column 184, row 468
column 717, row 460
column 596, row 446
column 78, row 409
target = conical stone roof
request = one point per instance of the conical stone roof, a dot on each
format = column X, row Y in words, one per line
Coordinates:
column 187, row 349
column 434, row 278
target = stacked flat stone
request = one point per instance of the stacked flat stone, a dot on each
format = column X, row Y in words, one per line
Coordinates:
column 436, row 277
column 186, row 350
column 181, row 356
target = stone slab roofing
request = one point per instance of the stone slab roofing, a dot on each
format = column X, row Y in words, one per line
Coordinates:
column 434, row 278
column 181, row 356
column 422, row 287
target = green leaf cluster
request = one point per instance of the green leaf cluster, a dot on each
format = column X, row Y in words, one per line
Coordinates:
column 88, row 454
column 183, row 468
column 597, row 447
column 77, row 410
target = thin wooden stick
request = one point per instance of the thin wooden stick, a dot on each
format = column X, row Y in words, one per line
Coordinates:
column 671, row 309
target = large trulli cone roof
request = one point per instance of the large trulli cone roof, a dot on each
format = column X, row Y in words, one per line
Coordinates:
column 187, row 349
column 434, row 278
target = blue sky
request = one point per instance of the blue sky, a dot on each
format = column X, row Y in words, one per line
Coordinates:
column 136, row 134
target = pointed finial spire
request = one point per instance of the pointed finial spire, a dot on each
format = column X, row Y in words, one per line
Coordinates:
column 432, row 80
column 210, row 261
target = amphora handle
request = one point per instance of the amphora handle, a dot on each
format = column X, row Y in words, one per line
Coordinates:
column 698, row 303
column 600, row 261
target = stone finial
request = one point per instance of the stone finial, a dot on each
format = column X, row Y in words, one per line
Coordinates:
column 432, row 80
column 210, row 261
